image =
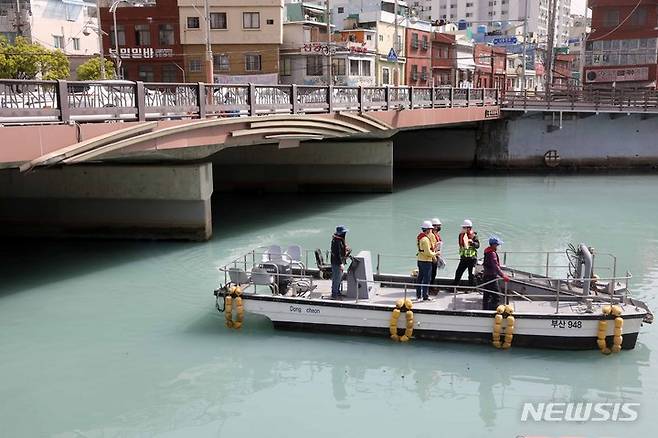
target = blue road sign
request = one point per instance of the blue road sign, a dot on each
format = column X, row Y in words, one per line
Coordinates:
column 392, row 56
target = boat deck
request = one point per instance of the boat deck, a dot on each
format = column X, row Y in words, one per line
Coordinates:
column 443, row 300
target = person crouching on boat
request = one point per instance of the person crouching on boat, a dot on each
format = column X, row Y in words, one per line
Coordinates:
column 339, row 253
column 426, row 257
column 468, row 252
column 492, row 272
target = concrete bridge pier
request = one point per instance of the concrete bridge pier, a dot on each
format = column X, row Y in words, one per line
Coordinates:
column 163, row 201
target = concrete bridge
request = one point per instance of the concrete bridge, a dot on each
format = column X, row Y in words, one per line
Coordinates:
column 120, row 158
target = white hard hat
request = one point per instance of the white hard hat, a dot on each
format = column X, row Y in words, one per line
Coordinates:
column 436, row 221
column 426, row 225
column 467, row 223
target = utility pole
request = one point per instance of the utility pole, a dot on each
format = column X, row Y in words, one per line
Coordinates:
column 493, row 65
column 210, row 78
column 551, row 46
column 329, row 60
column 396, row 44
column 525, row 43
column 100, row 39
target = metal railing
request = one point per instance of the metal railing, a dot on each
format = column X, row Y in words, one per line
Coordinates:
column 613, row 100
column 98, row 101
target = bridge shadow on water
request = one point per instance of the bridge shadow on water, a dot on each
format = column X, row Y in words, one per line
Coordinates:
column 32, row 262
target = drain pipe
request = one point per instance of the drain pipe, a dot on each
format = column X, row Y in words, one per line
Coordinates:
column 587, row 260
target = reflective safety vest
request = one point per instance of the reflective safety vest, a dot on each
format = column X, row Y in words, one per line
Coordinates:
column 466, row 250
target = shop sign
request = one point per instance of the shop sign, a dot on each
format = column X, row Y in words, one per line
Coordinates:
column 618, row 74
column 143, row 52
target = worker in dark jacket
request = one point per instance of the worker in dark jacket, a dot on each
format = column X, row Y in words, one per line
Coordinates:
column 491, row 272
column 339, row 252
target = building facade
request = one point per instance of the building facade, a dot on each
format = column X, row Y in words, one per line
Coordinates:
column 245, row 37
column 444, row 59
column 148, row 41
column 418, row 49
column 621, row 50
column 490, row 12
column 490, row 66
column 355, row 59
column 67, row 25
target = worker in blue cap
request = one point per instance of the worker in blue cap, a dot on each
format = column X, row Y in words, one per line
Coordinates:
column 339, row 252
column 492, row 272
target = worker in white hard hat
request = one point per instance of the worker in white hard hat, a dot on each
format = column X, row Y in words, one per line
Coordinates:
column 468, row 252
column 426, row 256
column 435, row 237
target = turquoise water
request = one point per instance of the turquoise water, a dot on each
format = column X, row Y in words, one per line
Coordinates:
column 121, row 339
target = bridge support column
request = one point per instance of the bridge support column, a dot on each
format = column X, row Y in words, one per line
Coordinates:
column 125, row 201
column 340, row 166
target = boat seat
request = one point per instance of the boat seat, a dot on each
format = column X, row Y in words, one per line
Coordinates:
column 260, row 277
column 275, row 254
column 325, row 269
column 238, row 276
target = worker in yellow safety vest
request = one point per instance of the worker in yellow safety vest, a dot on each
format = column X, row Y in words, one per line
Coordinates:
column 468, row 252
column 426, row 256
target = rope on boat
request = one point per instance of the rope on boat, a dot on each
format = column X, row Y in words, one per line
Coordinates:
column 234, row 294
column 400, row 305
column 617, row 339
column 503, row 312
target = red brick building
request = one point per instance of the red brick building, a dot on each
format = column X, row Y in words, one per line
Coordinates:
column 562, row 68
column 418, row 69
column 149, row 41
column 444, row 60
column 483, row 55
column 621, row 50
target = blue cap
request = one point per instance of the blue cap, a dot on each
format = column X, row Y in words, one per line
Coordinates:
column 494, row 240
column 341, row 229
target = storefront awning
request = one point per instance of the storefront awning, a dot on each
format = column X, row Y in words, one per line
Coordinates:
column 464, row 62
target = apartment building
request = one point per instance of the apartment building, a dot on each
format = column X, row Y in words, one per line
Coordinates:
column 491, row 12
column 245, row 37
column 444, row 59
column 418, row 68
column 148, row 39
column 621, row 50
column 55, row 24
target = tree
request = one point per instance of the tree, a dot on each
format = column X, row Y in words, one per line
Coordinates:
column 91, row 70
column 25, row 60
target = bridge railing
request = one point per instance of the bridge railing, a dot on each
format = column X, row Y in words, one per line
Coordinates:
column 584, row 99
column 66, row 101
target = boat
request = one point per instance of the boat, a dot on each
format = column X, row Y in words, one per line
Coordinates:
column 581, row 310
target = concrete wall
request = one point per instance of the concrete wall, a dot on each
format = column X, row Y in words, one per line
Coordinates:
column 603, row 140
column 161, row 201
column 356, row 166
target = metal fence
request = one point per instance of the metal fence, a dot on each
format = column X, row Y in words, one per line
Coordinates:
column 66, row 101
column 585, row 100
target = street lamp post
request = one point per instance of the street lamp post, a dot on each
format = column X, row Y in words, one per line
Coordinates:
column 113, row 10
column 100, row 38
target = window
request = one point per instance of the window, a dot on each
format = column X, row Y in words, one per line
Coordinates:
column 195, row 65
column 386, row 76
column 381, row 38
column 414, row 40
column 58, row 41
column 146, row 73
column 425, row 44
column 166, row 35
column 611, row 18
column 639, row 17
column 286, row 66
column 142, row 35
column 192, row 22
column 354, row 67
column 453, row 6
column 270, row 21
column 368, row 37
column 365, row 68
column 423, row 74
column 120, row 33
column 414, row 72
column 341, row 9
column 469, row 14
column 251, row 20
column 220, row 62
column 469, row 5
column 314, row 66
column 252, row 62
column 169, row 73
column 218, row 20
column 338, row 67
column 76, row 43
